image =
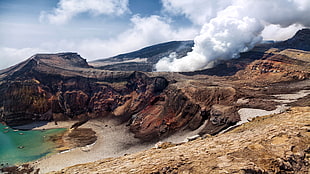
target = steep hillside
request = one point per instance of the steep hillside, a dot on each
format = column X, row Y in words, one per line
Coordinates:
column 299, row 41
column 63, row 86
column 271, row 144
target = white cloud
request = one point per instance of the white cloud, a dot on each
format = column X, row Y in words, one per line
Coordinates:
column 276, row 32
column 198, row 11
column 143, row 31
column 67, row 9
column 232, row 26
column 11, row 56
column 222, row 38
column 281, row 12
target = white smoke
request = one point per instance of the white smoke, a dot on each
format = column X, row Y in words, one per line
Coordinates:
column 237, row 28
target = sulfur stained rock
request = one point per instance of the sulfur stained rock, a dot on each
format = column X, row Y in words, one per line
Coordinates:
column 27, row 100
column 220, row 118
column 75, row 102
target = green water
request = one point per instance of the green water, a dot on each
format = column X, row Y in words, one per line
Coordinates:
column 18, row 147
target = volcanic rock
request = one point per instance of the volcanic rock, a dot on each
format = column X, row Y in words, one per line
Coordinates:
column 265, row 145
column 221, row 117
column 299, row 41
column 63, row 86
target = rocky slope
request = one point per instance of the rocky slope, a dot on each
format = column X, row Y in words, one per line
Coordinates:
column 64, row 86
column 299, row 41
column 265, row 145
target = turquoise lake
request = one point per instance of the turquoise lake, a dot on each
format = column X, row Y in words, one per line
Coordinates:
column 18, row 147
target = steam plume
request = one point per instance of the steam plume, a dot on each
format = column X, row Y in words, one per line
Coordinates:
column 237, row 28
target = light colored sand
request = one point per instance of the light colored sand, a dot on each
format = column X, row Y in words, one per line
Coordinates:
column 288, row 98
column 114, row 139
column 247, row 114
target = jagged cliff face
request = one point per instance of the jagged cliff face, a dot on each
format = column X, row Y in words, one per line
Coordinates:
column 63, row 86
column 53, row 84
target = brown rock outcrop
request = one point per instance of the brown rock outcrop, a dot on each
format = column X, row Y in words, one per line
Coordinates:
column 278, row 66
column 63, row 86
column 221, row 117
column 52, row 88
column 265, row 145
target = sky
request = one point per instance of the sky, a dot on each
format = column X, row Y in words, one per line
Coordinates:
column 99, row 29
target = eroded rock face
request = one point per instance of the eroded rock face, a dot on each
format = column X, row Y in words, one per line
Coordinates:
column 164, row 114
column 265, row 145
column 180, row 106
column 151, row 105
column 63, row 86
column 221, row 117
column 23, row 102
column 286, row 65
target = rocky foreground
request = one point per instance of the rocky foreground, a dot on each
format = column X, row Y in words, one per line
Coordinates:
column 270, row 144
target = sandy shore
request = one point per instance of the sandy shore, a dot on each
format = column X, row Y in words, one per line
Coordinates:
column 114, row 139
column 247, row 114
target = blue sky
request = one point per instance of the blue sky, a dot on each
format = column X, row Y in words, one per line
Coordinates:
column 26, row 29
column 102, row 28
column 21, row 25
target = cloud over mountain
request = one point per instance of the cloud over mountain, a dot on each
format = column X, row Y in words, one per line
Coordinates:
column 67, row 9
column 230, row 27
column 103, row 28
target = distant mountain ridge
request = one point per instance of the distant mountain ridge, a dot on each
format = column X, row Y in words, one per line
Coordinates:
column 145, row 58
column 299, row 41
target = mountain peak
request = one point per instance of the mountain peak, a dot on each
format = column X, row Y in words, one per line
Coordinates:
column 61, row 59
column 302, row 32
column 300, row 41
column 144, row 58
column 45, row 62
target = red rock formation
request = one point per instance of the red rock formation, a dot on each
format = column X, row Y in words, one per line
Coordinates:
column 52, row 90
column 63, row 86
